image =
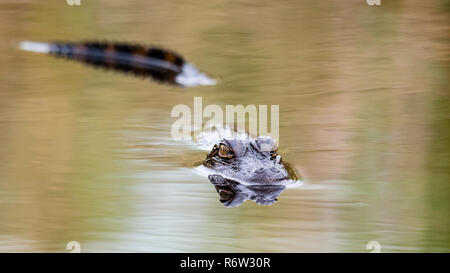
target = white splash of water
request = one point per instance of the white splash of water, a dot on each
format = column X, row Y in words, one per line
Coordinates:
column 191, row 76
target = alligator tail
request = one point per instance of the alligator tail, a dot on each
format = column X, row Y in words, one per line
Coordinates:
column 157, row 63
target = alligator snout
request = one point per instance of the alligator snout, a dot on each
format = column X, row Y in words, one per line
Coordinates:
column 272, row 174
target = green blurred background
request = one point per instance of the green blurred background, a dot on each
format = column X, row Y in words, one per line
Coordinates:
column 87, row 155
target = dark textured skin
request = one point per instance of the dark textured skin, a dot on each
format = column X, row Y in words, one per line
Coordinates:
column 253, row 162
column 252, row 171
column 127, row 58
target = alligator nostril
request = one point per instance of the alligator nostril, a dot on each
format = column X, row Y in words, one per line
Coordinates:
column 275, row 170
column 260, row 170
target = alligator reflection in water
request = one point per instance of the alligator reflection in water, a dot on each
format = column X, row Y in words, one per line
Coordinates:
column 248, row 169
column 233, row 193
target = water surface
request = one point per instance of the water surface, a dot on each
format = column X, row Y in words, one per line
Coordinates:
column 87, row 155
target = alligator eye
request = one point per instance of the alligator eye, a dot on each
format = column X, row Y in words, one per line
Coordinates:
column 225, row 151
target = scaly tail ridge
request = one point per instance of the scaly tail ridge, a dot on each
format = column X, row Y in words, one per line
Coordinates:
column 157, row 63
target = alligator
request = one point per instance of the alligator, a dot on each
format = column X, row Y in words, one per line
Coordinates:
column 247, row 169
column 239, row 168
column 160, row 64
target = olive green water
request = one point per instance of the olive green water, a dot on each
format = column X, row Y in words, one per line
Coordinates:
column 87, row 155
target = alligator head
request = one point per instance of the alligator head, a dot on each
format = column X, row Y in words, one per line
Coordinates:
column 248, row 169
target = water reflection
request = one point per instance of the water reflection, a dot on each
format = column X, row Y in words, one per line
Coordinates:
column 233, row 193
